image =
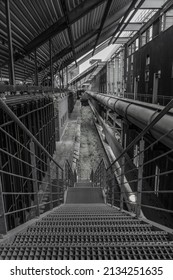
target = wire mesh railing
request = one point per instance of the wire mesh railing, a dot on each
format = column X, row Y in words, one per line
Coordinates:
column 140, row 179
column 31, row 181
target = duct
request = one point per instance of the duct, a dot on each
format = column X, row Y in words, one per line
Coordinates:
column 129, row 193
column 140, row 114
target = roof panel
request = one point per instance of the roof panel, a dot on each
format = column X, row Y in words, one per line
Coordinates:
column 89, row 22
column 73, row 4
column 117, row 5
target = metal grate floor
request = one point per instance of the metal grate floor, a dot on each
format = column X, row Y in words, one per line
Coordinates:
column 88, row 232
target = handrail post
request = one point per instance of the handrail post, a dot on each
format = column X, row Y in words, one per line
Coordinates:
column 3, row 224
column 140, row 177
column 34, row 176
column 49, row 183
column 122, row 182
column 58, row 191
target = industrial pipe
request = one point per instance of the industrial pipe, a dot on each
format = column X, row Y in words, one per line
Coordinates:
column 140, row 114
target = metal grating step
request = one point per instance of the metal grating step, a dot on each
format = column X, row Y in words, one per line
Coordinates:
column 65, row 252
column 119, row 238
column 84, row 229
column 87, row 223
column 88, row 232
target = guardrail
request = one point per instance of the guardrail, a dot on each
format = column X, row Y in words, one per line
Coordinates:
column 31, row 181
column 161, row 99
column 142, row 183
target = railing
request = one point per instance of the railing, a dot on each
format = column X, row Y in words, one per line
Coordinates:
column 31, row 181
column 161, row 99
column 20, row 89
column 142, row 183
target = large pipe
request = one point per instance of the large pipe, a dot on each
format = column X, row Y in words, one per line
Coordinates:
column 140, row 114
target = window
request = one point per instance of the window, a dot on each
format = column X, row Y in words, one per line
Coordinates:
column 131, row 67
column 137, row 44
column 129, row 50
column 147, row 76
column 143, row 39
column 133, row 47
column 150, row 33
column 127, row 65
column 148, row 60
column 168, row 18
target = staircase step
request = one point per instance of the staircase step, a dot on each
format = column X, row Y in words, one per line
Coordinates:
column 91, row 231
column 84, row 195
column 84, row 184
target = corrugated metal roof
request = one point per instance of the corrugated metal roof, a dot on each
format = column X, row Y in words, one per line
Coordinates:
column 35, row 22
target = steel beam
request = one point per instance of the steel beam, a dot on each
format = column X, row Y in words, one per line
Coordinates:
column 36, row 68
column 131, row 7
column 66, row 14
column 10, row 44
column 121, row 29
column 51, row 64
column 106, row 11
column 77, row 13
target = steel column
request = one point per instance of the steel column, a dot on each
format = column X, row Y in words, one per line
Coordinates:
column 10, row 44
column 36, row 68
column 51, row 64
column 122, row 182
column 140, row 175
column 3, row 224
column 34, row 176
column 49, row 183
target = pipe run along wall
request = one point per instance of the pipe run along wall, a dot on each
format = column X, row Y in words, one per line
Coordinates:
column 140, row 114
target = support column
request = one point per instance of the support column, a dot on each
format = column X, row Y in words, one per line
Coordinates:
column 107, row 77
column 49, row 183
column 51, row 65
column 67, row 76
column 140, row 177
column 3, row 225
column 116, row 77
column 36, row 68
column 122, row 182
column 34, row 177
column 10, row 44
column 62, row 78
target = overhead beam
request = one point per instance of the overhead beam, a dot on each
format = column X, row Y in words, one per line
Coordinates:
column 10, row 44
column 74, row 15
column 135, row 7
column 131, row 7
column 66, row 14
column 106, row 11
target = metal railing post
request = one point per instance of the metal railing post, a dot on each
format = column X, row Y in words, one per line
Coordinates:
column 49, row 183
column 122, row 182
column 58, row 191
column 3, row 224
column 140, row 177
column 34, row 176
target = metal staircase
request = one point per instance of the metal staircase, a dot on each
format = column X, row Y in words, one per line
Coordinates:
column 98, row 220
column 93, row 231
